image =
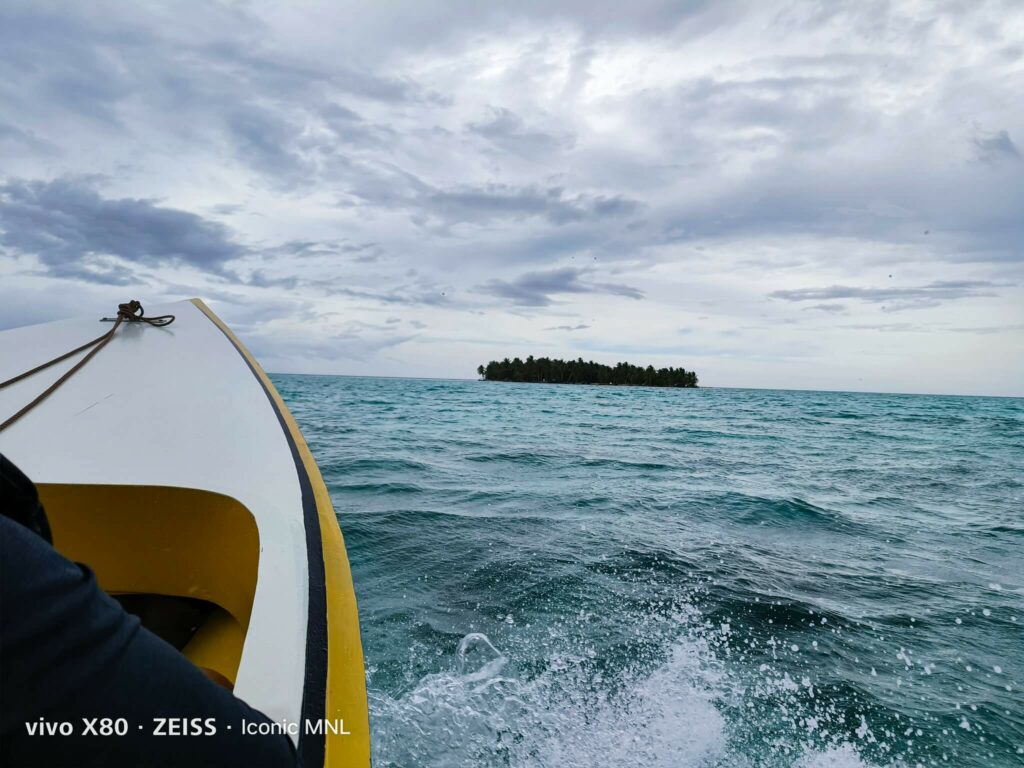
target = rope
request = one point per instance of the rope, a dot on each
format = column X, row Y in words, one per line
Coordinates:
column 132, row 312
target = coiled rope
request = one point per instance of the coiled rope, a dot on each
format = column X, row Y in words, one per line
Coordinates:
column 132, row 312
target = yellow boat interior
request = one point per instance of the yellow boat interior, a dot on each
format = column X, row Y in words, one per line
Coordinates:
column 183, row 560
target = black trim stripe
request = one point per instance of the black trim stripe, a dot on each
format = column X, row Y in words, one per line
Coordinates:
column 314, row 689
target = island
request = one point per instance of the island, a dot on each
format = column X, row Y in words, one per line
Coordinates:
column 544, row 370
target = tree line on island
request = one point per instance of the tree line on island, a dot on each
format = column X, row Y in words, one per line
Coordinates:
column 548, row 371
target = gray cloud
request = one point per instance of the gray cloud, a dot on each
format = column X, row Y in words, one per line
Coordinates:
column 351, row 345
column 942, row 290
column 266, row 70
column 985, row 330
column 294, row 119
column 350, row 128
column 579, row 327
column 74, row 231
column 996, row 148
column 265, row 141
column 437, row 164
column 364, row 252
column 259, row 279
column 403, row 295
column 889, row 327
column 988, row 330
column 507, row 131
column 501, row 201
column 25, row 140
column 536, row 289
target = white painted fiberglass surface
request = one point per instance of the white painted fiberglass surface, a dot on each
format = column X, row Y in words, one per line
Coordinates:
column 174, row 406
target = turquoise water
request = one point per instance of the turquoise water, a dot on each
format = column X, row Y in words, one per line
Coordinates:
column 593, row 576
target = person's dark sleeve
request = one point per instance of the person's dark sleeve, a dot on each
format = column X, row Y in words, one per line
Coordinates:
column 68, row 651
column 19, row 500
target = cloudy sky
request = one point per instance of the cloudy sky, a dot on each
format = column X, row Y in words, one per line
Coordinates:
column 794, row 194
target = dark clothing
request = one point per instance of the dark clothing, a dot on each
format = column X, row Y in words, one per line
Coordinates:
column 70, row 653
column 19, row 500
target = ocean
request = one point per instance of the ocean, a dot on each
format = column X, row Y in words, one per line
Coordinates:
column 615, row 576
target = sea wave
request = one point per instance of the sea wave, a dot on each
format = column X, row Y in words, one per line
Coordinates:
column 646, row 578
column 684, row 711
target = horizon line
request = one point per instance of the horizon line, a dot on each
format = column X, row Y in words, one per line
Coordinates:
column 640, row 386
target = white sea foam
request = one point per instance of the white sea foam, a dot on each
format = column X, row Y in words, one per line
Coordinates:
column 482, row 713
column 843, row 756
